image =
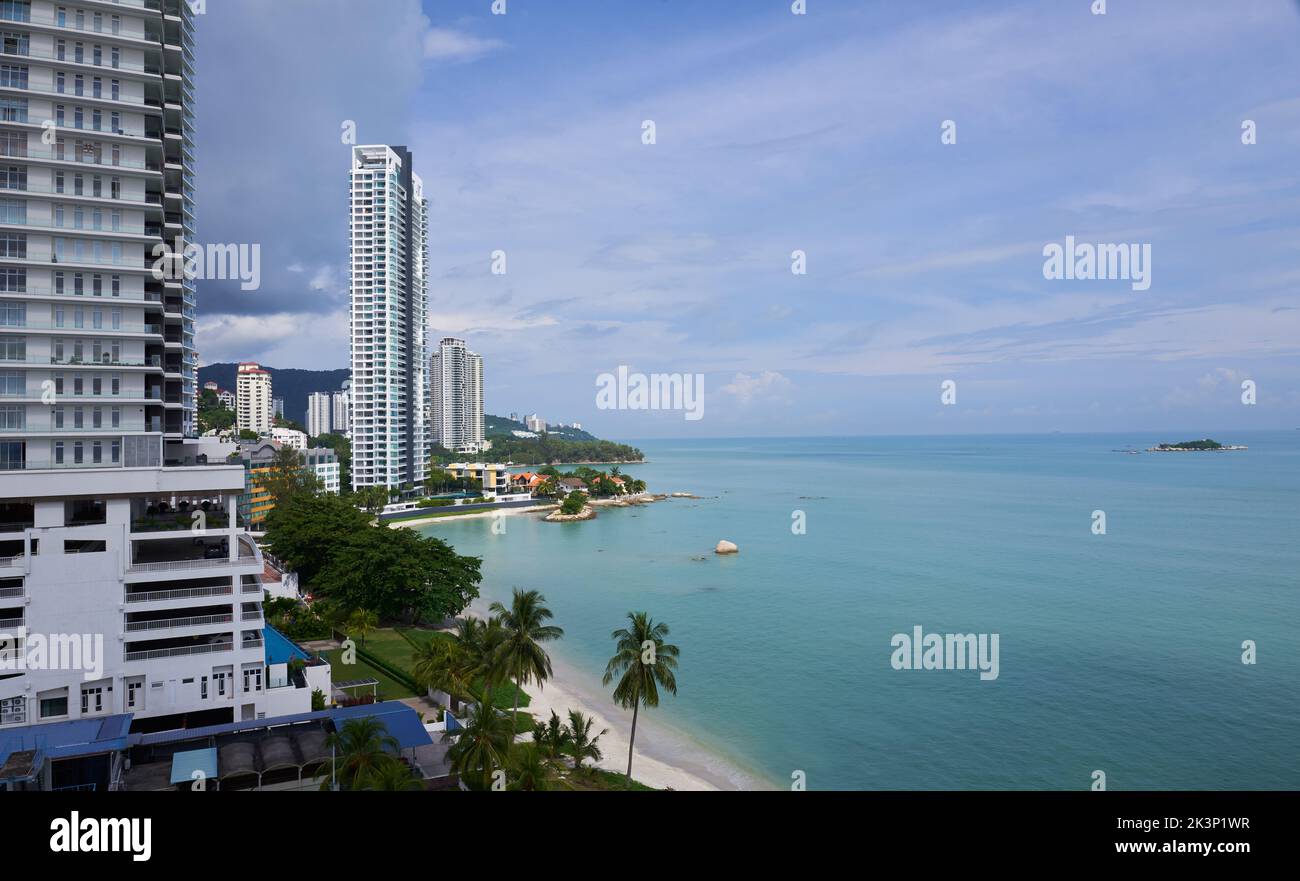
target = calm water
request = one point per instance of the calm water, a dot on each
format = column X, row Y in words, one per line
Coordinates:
column 1119, row 652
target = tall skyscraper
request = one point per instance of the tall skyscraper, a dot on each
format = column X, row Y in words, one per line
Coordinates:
column 253, row 398
column 389, row 229
column 341, row 417
column 319, row 414
column 456, row 397
column 117, row 526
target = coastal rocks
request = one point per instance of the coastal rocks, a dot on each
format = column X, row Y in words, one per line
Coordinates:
column 684, row 496
column 726, row 547
column 587, row 513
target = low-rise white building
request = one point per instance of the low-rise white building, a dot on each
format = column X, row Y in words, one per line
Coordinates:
column 324, row 463
column 290, row 437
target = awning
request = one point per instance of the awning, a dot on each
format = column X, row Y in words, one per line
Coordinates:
column 185, row 764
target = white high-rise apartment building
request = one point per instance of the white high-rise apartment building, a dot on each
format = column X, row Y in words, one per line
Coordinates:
column 340, row 420
column 456, row 397
column 389, row 228
column 319, row 413
column 253, row 399
column 118, row 531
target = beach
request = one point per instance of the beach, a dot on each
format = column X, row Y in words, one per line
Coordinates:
column 663, row 758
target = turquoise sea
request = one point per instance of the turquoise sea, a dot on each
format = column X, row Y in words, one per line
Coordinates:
column 1119, row 652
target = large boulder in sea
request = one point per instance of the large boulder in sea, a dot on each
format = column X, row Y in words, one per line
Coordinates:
column 726, row 547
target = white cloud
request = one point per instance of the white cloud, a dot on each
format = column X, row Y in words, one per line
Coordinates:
column 747, row 388
column 444, row 44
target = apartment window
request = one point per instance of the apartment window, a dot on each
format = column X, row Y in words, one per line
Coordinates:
column 221, row 680
column 97, row 453
column 116, row 285
column 117, row 58
column 58, row 452
column 13, row 314
column 97, row 285
column 13, row 211
column 13, row 143
column 115, row 415
column 13, row 244
column 16, row 10
column 78, row 453
column 115, row 89
column 61, row 50
column 13, row 383
column 57, row 418
column 134, row 695
column 117, row 384
column 54, row 706
column 92, row 699
column 13, row 417
column 59, row 282
column 13, row 456
column 13, row 349
column 13, row 177
column 15, row 43
column 97, row 55
column 203, row 688
column 252, row 679
column 13, row 109
column 13, row 76
column 115, row 449
column 78, row 85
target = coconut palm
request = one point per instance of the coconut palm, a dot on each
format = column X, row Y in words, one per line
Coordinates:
column 552, row 737
column 524, row 631
column 482, row 745
column 478, row 659
column 363, row 621
column 581, row 745
column 361, row 746
column 643, row 663
column 391, row 776
column 437, row 665
column 529, row 769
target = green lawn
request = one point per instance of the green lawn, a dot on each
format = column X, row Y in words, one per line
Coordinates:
column 389, row 689
column 598, row 780
column 396, row 647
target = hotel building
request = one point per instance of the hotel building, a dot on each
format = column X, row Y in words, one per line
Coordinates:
column 456, row 397
column 319, row 413
column 389, row 228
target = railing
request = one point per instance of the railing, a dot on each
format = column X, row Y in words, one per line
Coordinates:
column 63, row 227
column 71, row 58
column 178, row 594
column 19, row 152
column 27, row 17
column 11, row 592
column 8, row 563
column 10, row 623
column 183, row 565
column 168, row 623
column 252, row 644
column 48, row 190
column 64, row 93
column 83, row 787
column 179, row 652
column 251, row 616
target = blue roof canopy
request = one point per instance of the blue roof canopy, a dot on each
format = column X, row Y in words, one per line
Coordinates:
column 185, row 764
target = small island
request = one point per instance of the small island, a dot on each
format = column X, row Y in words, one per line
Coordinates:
column 1196, row 446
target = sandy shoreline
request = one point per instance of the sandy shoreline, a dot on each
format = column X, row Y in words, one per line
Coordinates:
column 663, row 758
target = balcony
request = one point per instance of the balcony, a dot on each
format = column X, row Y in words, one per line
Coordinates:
column 184, row 556
column 174, row 623
column 179, row 651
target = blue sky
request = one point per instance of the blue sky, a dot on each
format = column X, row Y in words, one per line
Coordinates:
column 778, row 132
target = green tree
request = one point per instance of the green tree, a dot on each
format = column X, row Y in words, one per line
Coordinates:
column 397, row 573
column 438, row 664
column 581, row 744
column 481, row 745
column 526, row 629
column 372, row 499
column 342, row 448
column 391, row 776
column 573, row 503
column 360, row 747
column 642, row 663
column 288, row 477
column 301, row 531
column 362, row 621
column 529, row 770
column 552, row 737
column 247, row 434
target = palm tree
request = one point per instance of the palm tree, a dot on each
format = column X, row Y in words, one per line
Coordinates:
column 362, row 745
column 482, row 744
column 391, row 776
column 643, row 663
column 437, row 665
column 530, row 770
column 480, row 659
column 581, row 744
column 552, row 737
column 525, row 631
column 363, row 621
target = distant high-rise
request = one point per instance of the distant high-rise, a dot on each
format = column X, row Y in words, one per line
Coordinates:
column 389, row 229
column 340, row 418
column 456, row 397
column 253, row 398
column 320, row 414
